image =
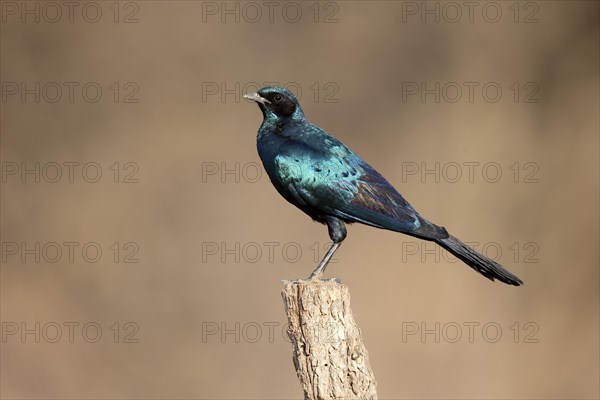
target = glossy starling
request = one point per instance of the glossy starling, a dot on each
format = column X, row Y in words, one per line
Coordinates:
column 322, row 177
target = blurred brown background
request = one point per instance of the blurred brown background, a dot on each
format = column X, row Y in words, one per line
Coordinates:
column 156, row 89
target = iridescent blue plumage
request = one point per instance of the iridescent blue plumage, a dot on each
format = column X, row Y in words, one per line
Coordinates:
column 324, row 178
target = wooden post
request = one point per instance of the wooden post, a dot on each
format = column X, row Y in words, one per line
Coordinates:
column 329, row 356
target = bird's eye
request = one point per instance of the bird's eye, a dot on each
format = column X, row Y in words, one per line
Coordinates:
column 278, row 98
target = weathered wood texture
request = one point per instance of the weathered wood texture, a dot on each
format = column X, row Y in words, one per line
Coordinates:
column 329, row 356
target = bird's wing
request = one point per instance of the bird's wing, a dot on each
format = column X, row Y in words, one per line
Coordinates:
column 378, row 203
column 344, row 186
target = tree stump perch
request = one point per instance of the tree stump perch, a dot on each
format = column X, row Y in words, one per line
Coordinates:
column 329, row 356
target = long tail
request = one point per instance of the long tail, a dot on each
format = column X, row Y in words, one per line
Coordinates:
column 480, row 263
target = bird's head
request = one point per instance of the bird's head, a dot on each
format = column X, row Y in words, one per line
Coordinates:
column 277, row 104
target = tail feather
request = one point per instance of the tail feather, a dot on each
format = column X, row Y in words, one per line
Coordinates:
column 480, row 263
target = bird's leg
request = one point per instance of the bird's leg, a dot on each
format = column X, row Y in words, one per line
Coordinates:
column 337, row 233
column 323, row 264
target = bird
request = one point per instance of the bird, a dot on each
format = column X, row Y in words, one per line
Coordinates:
column 326, row 180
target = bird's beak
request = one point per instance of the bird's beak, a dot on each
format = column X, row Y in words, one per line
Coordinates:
column 257, row 98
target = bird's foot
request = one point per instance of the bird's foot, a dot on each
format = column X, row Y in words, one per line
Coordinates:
column 318, row 272
column 315, row 275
